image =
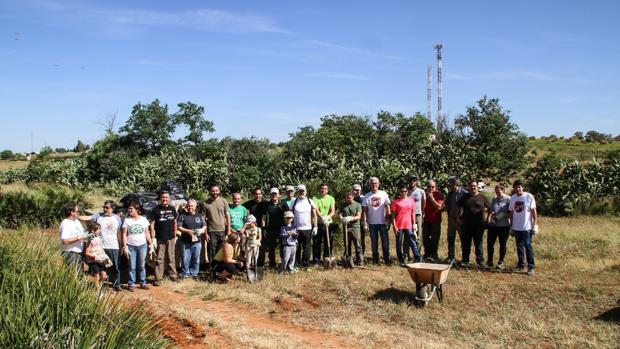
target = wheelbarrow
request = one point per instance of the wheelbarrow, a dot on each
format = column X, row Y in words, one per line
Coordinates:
column 428, row 278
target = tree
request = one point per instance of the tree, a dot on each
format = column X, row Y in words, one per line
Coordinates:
column 6, row 155
column 80, row 147
column 150, row 126
column 578, row 136
column 45, row 152
column 192, row 116
column 108, row 123
column 496, row 144
column 593, row 136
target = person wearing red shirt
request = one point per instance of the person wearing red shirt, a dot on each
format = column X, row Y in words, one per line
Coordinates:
column 431, row 228
column 404, row 223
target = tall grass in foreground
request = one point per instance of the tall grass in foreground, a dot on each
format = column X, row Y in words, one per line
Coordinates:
column 37, row 205
column 46, row 305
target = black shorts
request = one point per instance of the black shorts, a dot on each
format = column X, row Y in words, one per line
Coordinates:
column 229, row 267
column 95, row 268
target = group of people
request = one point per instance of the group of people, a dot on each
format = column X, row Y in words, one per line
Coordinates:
column 299, row 230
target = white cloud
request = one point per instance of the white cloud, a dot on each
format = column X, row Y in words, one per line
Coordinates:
column 512, row 74
column 353, row 50
column 196, row 19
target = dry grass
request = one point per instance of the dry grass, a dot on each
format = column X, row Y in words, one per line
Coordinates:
column 578, row 263
column 7, row 164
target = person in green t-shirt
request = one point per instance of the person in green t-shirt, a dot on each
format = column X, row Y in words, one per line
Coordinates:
column 326, row 205
column 238, row 213
column 350, row 215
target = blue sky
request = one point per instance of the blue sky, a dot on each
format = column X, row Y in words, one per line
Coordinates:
column 265, row 68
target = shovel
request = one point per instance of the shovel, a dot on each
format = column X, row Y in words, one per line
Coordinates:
column 252, row 269
column 328, row 262
column 348, row 260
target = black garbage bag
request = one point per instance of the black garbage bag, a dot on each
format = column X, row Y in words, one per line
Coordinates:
column 147, row 200
column 175, row 189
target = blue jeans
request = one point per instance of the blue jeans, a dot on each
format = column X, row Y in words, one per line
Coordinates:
column 136, row 264
column 191, row 258
column 404, row 241
column 524, row 246
column 114, row 271
column 321, row 239
column 375, row 230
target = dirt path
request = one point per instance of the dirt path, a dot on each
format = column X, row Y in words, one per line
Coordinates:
column 189, row 322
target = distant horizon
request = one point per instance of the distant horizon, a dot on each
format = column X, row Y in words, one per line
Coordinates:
column 266, row 69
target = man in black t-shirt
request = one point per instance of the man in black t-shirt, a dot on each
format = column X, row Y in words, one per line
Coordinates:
column 192, row 226
column 163, row 220
column 475, row 209
column 257, row 206
column 273, row 220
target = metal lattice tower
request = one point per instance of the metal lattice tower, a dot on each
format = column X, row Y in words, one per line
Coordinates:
column 429, row 102
column 440, row 119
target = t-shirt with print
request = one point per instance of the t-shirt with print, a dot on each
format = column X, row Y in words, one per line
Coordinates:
column 521, row 208
column 324, row 204
column 351, row 210
column 110, row 226
column 376, row 204
column 190, row 221
column 431, row 213
column 216, row 213
column 135, row 230
column 402, row 209
column 237, row 216
column 418, row 195
column 165, row 218
column 70, row 228
column 474, row 209
column 302, row 209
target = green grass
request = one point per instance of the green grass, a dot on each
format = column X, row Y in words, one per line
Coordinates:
column 574, row 149
column 47, row 305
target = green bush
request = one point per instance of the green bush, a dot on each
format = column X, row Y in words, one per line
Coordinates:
column 40, row 206
column 46, row 305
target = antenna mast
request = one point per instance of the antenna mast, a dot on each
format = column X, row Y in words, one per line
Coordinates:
column 429, row 83
column 440, row 119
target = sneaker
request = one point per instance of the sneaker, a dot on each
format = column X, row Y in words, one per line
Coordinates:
column 156, row 282
column 117, row 288
column 530, row 272
column 144, row 286
column 519, row 269
column 489, row 266
column 131, row 288
column 500, row 266
column 403, row 264
column 464, row 264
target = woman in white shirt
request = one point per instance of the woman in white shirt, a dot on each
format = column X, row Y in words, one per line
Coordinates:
column 135, row 239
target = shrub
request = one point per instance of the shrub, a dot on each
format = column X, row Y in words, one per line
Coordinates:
column 41, row 206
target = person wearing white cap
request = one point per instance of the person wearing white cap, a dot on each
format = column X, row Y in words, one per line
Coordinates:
column 253, row 239
column 305, row 212
column 288, row 234
column 273, row 221
column 290, row 196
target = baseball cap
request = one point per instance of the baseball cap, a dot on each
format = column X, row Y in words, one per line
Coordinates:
column 288, row 214
column 356, row 187
column 290, row 188
column 250, row 219
column 301, row 187
column 274, row 190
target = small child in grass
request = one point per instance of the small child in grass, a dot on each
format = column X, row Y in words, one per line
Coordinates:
column 288, row 233
column 96, row 257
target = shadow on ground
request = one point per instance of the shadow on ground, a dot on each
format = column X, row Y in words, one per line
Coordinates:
column 611, row 315
column 394, row 295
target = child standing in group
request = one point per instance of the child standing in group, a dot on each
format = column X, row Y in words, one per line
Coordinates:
column 96, row 257
column 252, row 241
column 288, row 234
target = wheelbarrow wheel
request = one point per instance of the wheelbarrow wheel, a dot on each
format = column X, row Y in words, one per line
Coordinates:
column 422, row 292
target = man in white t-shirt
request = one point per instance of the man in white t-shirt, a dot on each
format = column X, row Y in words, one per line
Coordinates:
column 305, row 222
column 72, row 236
column 523, row 218
column 376, row 206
